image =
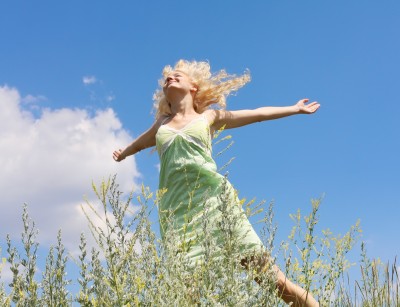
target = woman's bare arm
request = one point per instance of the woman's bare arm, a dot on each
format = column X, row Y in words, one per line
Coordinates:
column 233, row 119
column 145, row 140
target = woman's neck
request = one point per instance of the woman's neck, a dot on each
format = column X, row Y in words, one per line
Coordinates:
column 182, row 107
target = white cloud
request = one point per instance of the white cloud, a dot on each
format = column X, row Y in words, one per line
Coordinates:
column 89, row 80
column 49, row 163
column 5, row 271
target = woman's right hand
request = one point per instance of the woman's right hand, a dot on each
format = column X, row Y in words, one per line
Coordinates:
column 117, row 155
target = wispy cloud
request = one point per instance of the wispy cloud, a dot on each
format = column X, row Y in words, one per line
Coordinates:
column 29, row 99
column 89, row 80
column 110, row 98
column 50, row 162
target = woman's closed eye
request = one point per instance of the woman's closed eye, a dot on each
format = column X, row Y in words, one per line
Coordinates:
column 171, row 78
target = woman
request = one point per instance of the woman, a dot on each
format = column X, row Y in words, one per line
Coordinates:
column 182, row 132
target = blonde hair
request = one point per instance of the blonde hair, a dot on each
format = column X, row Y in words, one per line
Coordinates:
column 212, row 89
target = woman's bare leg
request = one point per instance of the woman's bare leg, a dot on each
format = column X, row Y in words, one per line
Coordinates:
column 292, row 293
column 287, row 290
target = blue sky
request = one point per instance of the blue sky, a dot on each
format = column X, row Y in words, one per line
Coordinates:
column 77, row 78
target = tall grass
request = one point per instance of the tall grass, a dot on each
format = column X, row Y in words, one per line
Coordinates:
column 131, row 266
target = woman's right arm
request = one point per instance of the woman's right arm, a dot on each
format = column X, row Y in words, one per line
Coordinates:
column 145, row 140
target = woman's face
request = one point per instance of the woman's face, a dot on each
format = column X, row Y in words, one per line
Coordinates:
column 177, row 80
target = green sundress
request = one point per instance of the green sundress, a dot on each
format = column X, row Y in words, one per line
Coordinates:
column 189, row 175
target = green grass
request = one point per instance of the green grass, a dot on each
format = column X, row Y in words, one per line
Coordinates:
column 130, row 266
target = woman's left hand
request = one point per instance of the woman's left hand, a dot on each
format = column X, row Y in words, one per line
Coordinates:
column 307, row 108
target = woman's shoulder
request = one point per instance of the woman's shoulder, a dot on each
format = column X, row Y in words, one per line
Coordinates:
column 215, row 117
column 162, row 119
column 210, row 115
column 158, row 123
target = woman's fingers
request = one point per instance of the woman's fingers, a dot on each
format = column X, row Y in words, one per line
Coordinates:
column 312, row 103
column 303, row 101
column 308, row 108
column 117, row 155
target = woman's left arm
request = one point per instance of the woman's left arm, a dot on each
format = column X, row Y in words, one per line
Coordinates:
column 233, row 119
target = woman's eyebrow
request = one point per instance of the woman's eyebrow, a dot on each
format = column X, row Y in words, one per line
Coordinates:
column 175, row 74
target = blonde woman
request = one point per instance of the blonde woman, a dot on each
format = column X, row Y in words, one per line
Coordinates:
column 190, row 106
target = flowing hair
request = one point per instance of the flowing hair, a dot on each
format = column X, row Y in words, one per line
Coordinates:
column 212, row 89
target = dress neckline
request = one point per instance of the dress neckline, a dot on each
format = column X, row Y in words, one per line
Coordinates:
column 187, row 124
